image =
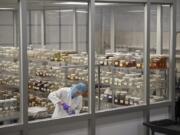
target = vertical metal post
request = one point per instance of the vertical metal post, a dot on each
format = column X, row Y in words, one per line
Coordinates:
column 30, row 29
column 23, row 65
column 60, row 47
column 172, row 59
column 14, row 28
column 102, row 47
column 87, row 36
column 146, row 62
column 75, row 45
column 17, row 29
column 159, row 30
column 112, row 29
column 91, row 66
column 99, row 87
column 43, row 29
column 112, row 86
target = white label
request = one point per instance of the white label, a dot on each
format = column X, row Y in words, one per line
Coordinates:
column 126, row 102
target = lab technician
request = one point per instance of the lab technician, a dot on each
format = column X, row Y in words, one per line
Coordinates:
column 68, row 100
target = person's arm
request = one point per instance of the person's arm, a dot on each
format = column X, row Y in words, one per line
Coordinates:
column 55, row 97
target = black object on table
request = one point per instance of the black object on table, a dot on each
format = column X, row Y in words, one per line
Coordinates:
column 166, row 126
column 177, row 109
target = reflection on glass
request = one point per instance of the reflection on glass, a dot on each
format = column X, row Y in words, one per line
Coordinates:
column 119, row 47
column 159, row 57
column 59, row 62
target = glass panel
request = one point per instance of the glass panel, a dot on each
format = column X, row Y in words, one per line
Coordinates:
column 119, row 48
column 9, row 64
column 159, row 57
column 55, row 68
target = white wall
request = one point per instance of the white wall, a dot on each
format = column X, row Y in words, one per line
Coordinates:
column 125, row 124
column 78, row 128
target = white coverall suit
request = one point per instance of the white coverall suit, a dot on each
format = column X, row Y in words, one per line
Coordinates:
column 64, row 95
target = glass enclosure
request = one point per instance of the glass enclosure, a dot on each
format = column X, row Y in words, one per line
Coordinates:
column 159, row 57
column 59, row 43
column 57, row 55
column 9, row 64
column 119, row 48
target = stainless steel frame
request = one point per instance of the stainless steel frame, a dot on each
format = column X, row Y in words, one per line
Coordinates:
column 159, row 29
column 23, row 66
column 146, row 62
column 172, row 60
column 91, row 68
column 24, row 126
column 75, row 33
column 112, row 32
column 43, row 29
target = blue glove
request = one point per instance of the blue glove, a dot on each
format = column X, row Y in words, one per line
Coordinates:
column 68, row 109
column 65, row 106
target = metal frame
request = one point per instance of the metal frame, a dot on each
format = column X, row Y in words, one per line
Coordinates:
column 146, row 62
column 91, row 68
column 23, row 66
column 75, row 33
column 91, row 116
column 43, row 29
column 14, row 28
column 102, row 45
column 30, row 29
column 112, row 32
column 172, row 60
column 159, row 29
column 60, row 46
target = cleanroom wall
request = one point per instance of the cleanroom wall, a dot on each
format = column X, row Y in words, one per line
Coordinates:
column 107, row 127
column 55, row 66
column 120, row 69
column 10, row 92
column 6, row 28
column 58, row 28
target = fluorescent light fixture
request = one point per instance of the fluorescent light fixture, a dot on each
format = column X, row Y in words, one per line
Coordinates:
column 81, row 11
column 166, row 5
column 6, row 8
column 62, row 11
column 136, row 11
column 102, row 4
column 141, row 11
column 71, row 3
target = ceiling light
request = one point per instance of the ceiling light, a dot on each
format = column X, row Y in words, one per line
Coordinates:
column 6, row 8
column 166, row 5
column 136, row 11
column 71, row 3
column 81, row 11
column 69, row 10
column 102, row 4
